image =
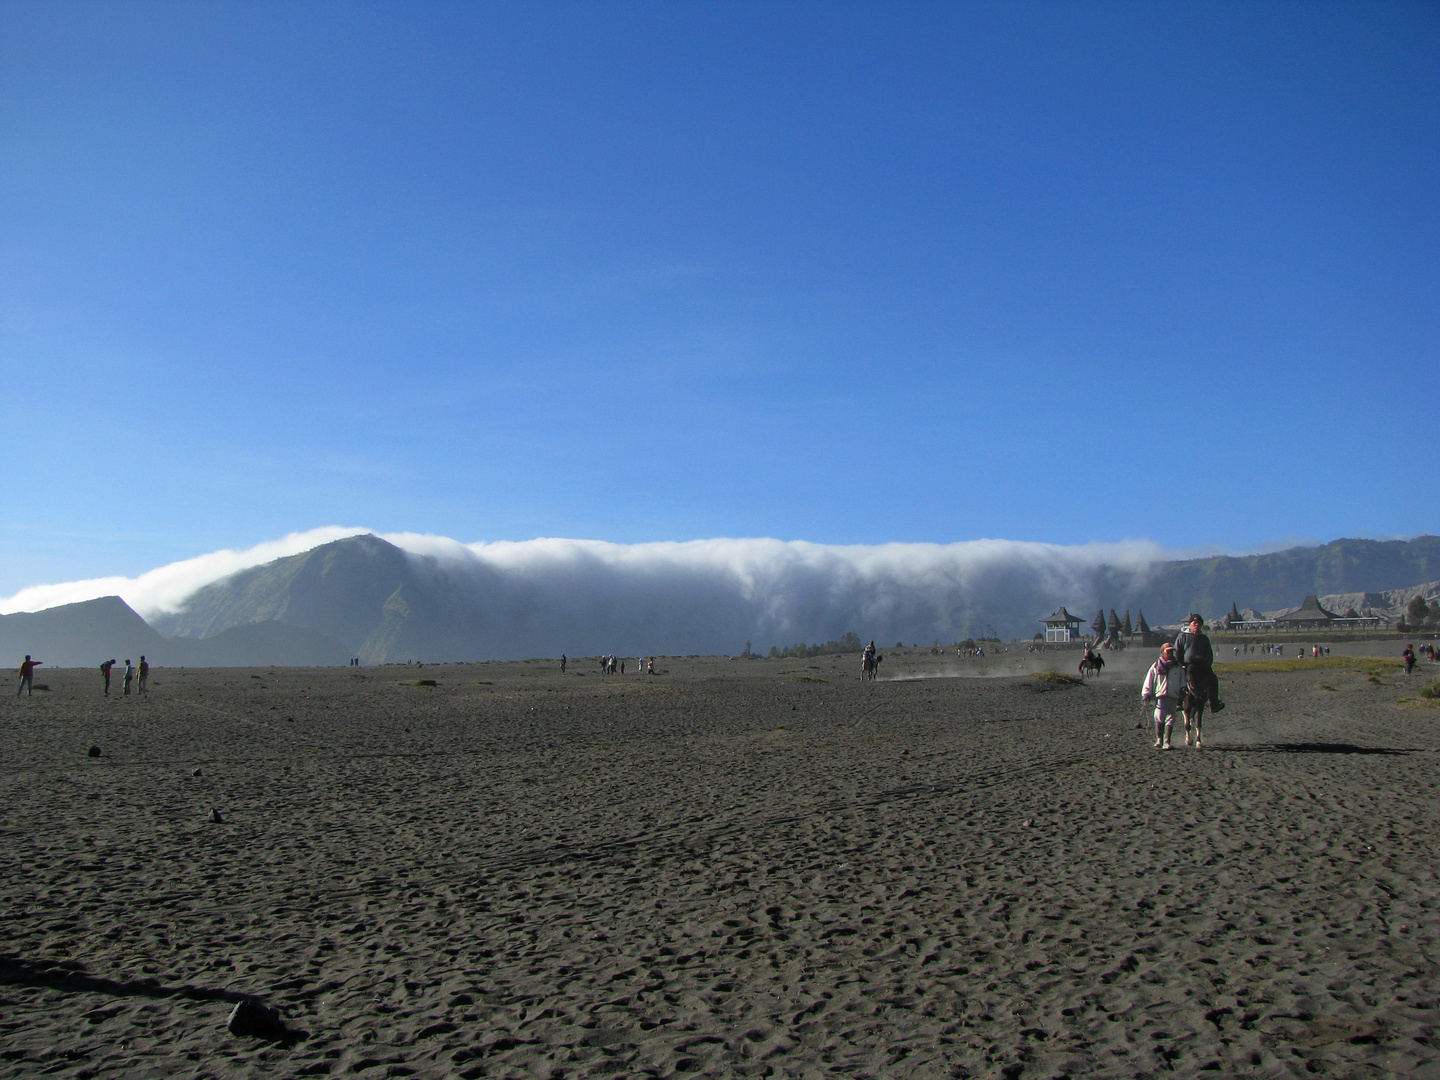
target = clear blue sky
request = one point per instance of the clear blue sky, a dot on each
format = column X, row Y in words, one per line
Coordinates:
column 848, row 273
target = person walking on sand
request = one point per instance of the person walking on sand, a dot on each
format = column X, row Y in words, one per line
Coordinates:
column 27, row 675
column 144, row 674
column 105, row 666
column 129, row 676
column 1163, row 689
column 1409, row 657
column 1197, row 657
column 562, row 663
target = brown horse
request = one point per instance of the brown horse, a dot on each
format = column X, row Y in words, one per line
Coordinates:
column 1091, row 663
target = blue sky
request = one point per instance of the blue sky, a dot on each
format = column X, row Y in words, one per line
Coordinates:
column 841, row 273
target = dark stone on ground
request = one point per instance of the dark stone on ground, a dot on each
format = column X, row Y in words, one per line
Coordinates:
column 250, row 1018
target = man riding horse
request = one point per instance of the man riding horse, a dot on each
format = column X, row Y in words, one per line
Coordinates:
column 869, row 662
column 1195, row 654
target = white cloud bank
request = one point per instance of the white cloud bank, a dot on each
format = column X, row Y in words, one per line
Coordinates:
column 710, row 594
column 166, row 588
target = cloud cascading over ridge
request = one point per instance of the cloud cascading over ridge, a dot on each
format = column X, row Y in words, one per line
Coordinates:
column 700, row 595
column 166, row 587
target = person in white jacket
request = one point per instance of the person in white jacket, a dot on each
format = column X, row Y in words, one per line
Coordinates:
column 1164, row 688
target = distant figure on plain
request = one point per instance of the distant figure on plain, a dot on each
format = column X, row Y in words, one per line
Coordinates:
column 105, row 666
column 563, row 659
column 144, row 675
column 650, row 666
column 1409, row 657
column 27, row 675
column 129, row 676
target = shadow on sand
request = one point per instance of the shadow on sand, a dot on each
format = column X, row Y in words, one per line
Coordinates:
column 1310, row 748
column 69, row 976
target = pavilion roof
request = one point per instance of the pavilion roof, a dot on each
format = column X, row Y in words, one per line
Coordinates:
column 1061, row 616
column 1309, row 611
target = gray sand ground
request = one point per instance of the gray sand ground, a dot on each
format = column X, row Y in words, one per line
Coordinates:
column 731, row 869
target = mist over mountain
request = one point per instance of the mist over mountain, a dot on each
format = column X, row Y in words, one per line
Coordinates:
column 456, row 603
column 430, row 598
column 546, row 597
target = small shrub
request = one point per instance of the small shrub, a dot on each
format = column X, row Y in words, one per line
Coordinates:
column 424, row 682
column 1432, row 691
column 1373, row 678
column 1058, row 678
column 483, row 682
column 1326, row 686
column 807, row 678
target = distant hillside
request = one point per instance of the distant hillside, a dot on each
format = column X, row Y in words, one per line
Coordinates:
column 1388, row 604
column 365, row 593
column 79, row 635
column 363, row 596
column 1281, row 579
column 84, row 634
column 382, row 603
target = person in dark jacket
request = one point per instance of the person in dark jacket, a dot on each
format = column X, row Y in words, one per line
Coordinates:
column 1193, row 650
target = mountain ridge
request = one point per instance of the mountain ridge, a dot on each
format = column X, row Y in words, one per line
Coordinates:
column 363, row 596
column 85, row 633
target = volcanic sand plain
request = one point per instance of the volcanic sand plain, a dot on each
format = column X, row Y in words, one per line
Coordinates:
column 732, row 868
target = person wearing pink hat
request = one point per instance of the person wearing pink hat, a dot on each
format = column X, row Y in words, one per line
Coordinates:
column 1164, row 688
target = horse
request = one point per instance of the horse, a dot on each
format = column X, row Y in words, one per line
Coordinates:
column 870, row 667
column 1092, row 662
column 1192, row 705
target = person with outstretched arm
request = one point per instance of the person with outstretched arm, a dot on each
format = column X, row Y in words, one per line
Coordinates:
column 1197, row 657
column 105, row 666
column 27, row 675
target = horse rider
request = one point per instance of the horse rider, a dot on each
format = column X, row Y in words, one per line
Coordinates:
column 1197, row 657
column 869, row 656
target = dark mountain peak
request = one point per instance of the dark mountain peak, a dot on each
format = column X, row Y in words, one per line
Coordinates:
column 337, row 589
column 82, row 633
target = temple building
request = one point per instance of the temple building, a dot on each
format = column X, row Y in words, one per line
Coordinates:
column 1112, row 635
column 1062, row 626
column 1144, row 636
column 1309, row 616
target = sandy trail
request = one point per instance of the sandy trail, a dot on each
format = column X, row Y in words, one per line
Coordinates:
column 747, row 869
